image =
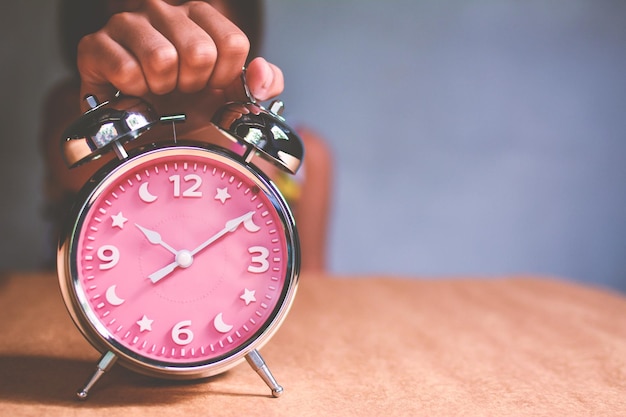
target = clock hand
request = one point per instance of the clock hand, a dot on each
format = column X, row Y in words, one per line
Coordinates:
column 184, row 258
column 155, row 238
column 163, row 272
column 230, row 226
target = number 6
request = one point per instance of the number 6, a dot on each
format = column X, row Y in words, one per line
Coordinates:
column 180, row 334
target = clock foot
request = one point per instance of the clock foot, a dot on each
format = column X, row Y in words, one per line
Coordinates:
column 105, row 363
column 258, row 364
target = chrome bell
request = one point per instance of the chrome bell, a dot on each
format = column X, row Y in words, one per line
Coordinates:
column 262, row 130
column 112, row 122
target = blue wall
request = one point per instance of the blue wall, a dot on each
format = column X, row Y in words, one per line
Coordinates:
column 483, row 137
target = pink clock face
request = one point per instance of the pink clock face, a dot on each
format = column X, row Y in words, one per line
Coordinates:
column 182, row 258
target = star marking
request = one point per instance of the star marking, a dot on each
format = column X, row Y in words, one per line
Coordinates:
column 222, row 194
column 248, row 296
column 118, row 220
column 145, row 324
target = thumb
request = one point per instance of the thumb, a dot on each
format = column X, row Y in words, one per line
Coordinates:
column 264, row 80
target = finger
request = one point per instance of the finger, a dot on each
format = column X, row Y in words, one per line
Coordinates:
column 103, row 77
column 231, row 43
column 265, row 80
column 156, row 55
column 195, row 48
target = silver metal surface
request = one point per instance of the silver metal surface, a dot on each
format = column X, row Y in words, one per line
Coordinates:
column 258, row 364
column 106, row 362
column 88, row 320
column 108, row 126
column 246, row 89
column 117, row 121
column 266, row 132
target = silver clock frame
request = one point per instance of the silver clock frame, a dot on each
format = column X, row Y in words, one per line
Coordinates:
column 85, row 318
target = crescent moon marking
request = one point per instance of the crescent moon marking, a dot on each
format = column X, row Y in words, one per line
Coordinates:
column 145, row 195
column 219, row 324
column 250, row 226
column 112, row 297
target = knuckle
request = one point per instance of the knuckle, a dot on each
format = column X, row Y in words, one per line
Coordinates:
column 123, row 70
column 86, row 41
column 160, row 67
column 122, row 19
column 196, row 6
column 124, row 76
column 90, row 42
column 200, row 55
column 235, row 42
column 162, row 59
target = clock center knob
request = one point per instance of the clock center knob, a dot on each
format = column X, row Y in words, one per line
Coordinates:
column 184, row 258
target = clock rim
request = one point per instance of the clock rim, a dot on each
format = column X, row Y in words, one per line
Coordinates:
column 86, row 320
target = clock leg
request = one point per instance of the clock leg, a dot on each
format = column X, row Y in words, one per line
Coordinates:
column 105, row 363
column 258, row 364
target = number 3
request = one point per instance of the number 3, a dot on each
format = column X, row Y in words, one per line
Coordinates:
column 259, row 262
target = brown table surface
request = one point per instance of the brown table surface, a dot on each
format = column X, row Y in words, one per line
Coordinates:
column 377, row 346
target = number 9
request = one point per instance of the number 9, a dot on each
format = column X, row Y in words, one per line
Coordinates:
column 109, row 255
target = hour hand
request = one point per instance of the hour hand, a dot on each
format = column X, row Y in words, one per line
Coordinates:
column 155, row 238
column 163, row 272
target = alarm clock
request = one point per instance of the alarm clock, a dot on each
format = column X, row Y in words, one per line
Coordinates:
column 180, row 259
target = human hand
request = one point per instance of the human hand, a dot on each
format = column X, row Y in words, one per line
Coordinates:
column 173, row 54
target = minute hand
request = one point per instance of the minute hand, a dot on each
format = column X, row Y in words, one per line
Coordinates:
column 230, row 226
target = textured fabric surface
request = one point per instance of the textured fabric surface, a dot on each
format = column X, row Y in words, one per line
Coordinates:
column 375, row 346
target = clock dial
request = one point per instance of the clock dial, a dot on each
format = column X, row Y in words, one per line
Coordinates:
column 182, row 257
